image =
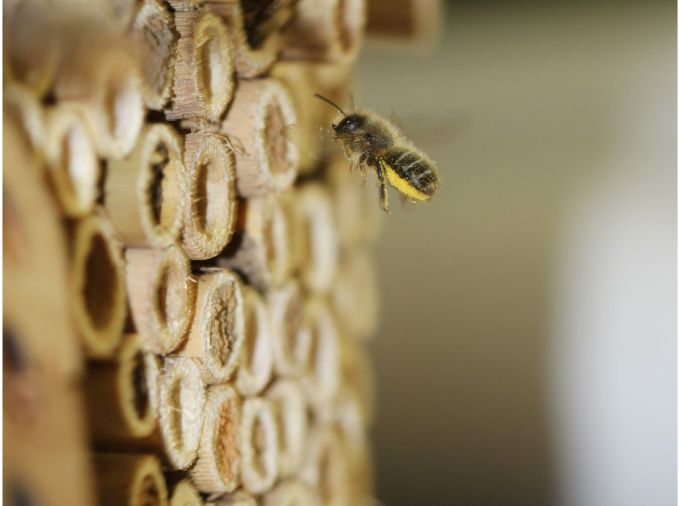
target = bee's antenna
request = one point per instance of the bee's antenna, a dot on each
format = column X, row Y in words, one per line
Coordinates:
column 329, row 101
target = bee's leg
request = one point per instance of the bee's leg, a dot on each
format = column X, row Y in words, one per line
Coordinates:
column 384, row 201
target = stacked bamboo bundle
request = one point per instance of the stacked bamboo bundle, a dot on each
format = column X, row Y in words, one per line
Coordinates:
column 188, row 289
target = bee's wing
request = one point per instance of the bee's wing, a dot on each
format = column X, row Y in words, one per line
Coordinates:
column 313, row 143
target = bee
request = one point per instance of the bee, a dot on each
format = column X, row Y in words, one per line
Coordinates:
column 371, row 141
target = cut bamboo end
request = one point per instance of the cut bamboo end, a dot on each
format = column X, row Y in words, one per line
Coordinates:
column 329, row 30
column 109, row 93
column 323, row 375
column 257, row 118
column 203, row 81
column 120, row 394
column 236, row 499
column 72, row 161
column 290, row 410
column 291, row 493
column 355, row 295
column 291, row 347
column 256, row 361
column 181, row 410
column 253, row 53
column 24, row 105
column 316, row 237
column 262, row 251
column 326, row 467
column 152, row 27
column 210, row 205
column 185, row 494
column 258, row 445
column 356, row 213
column 144, row 192
column 130, row 479
column 162, row 296
column 98, row 283
column 217, row 469
column 217, row 332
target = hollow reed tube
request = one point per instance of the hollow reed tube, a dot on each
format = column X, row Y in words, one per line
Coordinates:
column 210, row 204
column 266, row 159
column 217, row 331
column 134, row 480
column 203, row 77
column 120, row 394
column 144, row 192
column 181, row 410
column 184, row 493
column 291, row 493
column 291, row 347
column 162, row 296
column 98, row 285
column 290, row 411
column 217, row 469
column 258, row 445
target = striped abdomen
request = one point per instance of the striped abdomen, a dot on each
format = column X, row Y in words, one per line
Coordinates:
column 410, row 173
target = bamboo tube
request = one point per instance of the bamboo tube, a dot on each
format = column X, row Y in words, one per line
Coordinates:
column 144, row 192
column 119, row 394
column 291, row 347
column 261, row 250
column 98, row 286
column 22, row 103
column 162, row 296
column 290, row 410
column 350, row 419
column 217, row 332
column 72, row 161
column 355, row 295
column 185, row 494
column 31, row 226
column 413, row 21
column 239, row 498
column 210, row 205
column 357, row 374
column 291, row 493
column 107, row 88
column 31, row 60
column 152, row 28
column 258, row 445
column 256, row 119
column 181, row 410
column 256, row 361
column 217, row 469
column 134, row 480
column 329, row 30
column 356, row 211
column 203, row 81
column 326, row 467
column 253, row 53
column 316, row 237
column 323, row 376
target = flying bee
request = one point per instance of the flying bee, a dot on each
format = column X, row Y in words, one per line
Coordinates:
column 371, row 141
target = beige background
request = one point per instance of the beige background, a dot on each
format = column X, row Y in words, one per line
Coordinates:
column 526, row 350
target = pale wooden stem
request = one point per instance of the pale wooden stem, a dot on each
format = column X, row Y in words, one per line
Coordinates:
column 262, row 253
column 329, row 30
column 203, row 79
column 210, row 203
column 120, row 394
column 144, row 192
column 266, row 160
column 162, row 296
column 258, row 445
column 181, row 410
column 291, row 347
column 72, row 161
column 290, row 410
column 152, row 28
column 98, row 285
column 217, row 469
column 132, row 480
column 256, row 361
column 217, row 332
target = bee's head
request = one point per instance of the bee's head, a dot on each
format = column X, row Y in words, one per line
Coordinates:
column 349, row 124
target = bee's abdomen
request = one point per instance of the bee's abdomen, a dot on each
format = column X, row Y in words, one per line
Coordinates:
column 412, row 167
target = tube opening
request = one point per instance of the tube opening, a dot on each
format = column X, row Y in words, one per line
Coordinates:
column 223, row 325
column 275, row 141
column 78, row 163
column 226, row 440
column 211, row 198
column 162, row 187
column 149, row 495
column 140, row 386
column 100, row 284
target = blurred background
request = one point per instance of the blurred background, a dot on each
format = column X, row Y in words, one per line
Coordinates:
column 526, row 352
